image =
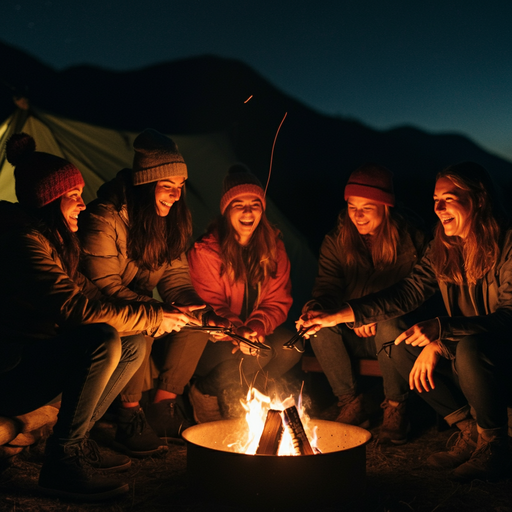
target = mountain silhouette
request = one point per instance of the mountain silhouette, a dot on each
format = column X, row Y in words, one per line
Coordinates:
column 314, row 153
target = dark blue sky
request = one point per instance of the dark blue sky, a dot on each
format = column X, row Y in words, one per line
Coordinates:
column 443, row 66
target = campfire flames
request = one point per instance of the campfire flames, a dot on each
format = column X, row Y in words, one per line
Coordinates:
column 294, row 434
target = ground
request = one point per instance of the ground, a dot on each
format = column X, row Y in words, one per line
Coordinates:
column 397, row 479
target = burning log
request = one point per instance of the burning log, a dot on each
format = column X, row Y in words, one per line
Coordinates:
column 300, row 439
column 272, row 433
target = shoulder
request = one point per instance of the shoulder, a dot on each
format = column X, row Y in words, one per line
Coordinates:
column 206, row 245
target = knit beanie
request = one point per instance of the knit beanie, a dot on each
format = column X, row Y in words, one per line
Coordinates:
column 156, row 158
column 371, row 181
column 239, row 181
column 40, row 178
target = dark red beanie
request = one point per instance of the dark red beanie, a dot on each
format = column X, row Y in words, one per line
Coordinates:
column 371, row 181
column 239, row 181
column 40, row 178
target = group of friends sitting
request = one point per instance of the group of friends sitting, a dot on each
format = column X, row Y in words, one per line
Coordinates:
column 82, row 323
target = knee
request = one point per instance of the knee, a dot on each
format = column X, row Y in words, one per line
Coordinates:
column 134, row 348
column 107, row 338
column 468, row 352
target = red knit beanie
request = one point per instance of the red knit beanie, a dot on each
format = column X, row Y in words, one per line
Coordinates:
column 239, row 181
column 371, row 181
column 40, row 178
column 156, row 158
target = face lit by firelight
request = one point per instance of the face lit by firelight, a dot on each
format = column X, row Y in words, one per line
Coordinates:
column 71, row 204
column 167, row 192
column 366, row 214
column 245, row 214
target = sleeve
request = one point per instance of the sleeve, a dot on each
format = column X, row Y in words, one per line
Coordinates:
column 103, row 237
column 205, row 266
column 62, row 299
column 275, row 300
column 400, row 298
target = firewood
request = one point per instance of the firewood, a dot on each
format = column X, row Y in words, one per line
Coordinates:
column 272, row 433
column 38, row 418
column 10, row 451
column 300, row 439
column 9, row 429
column 27, row 439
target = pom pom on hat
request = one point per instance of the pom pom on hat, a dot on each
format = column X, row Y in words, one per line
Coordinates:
column 372, row 181
column 156, row 158
column 239, row 181
column 40, row 178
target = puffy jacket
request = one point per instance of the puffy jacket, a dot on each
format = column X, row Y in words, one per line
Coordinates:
column 336, row 283
column 38, row 297
column 494, row 294
column 104, row 233
column 274, row 296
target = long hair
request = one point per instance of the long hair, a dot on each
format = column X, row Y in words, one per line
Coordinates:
column 384, row 247
column 154, row 240
column 52, row 224
column 475, row 255
column 260, row 259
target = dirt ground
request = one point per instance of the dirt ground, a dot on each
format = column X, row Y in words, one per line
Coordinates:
column 396, row 477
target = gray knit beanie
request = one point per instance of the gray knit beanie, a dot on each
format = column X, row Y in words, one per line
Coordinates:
column 156, row 158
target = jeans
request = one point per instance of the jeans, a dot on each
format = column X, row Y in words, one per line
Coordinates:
column 219, row 369
column 478, row 376
column 88, row 365
column 175, row 356
column 338, row 348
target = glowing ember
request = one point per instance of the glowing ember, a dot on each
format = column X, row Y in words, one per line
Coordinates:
column 257, row 406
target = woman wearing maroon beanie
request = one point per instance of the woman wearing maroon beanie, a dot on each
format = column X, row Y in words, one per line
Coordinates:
column 371, row 248
column 59, row 334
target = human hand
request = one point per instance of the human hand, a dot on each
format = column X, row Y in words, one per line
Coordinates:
column 421, row 377
column 315, row 320
column 365, row 331
column 421, row 334
column 247, row 332
column 175, row 317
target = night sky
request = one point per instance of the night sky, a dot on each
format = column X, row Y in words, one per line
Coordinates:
column 443, row 66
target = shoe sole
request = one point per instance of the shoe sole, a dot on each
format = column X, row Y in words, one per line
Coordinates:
column 100, row 496
column 113, row 469
column 139, row 455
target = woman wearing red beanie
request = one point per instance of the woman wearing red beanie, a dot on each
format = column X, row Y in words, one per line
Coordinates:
column 241, row 269
column 59, row 333
column 371, row 248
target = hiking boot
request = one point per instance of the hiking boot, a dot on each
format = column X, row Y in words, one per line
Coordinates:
column 395, row 423
column 67, row 473
column 206, row 407
column 490, row 460
column 134, row 436
column 104, row 460
column 167, row 418
column 461, row 446
column 352, row 411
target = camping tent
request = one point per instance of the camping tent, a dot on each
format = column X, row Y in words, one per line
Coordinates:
column 100, row 153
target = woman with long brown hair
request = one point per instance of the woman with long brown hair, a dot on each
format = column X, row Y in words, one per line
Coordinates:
column 468, row 350
column 134, row 237
column 240, row 268
column 371, row 248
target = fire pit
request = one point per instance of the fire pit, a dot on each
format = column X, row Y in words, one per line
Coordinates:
column 335, row 475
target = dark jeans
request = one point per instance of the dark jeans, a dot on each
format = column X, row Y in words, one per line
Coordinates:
column 175, row 356
column 480, row 375
column 88, row 365
column 338, row 349
column 219, row 369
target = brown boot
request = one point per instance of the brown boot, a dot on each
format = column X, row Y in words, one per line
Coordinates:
column 461, row 446
column 352, row 411
column 395, row 423
column 490, row 460
column 206, row 407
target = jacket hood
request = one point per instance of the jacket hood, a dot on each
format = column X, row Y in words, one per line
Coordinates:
column 13, row 216
column 114, row 190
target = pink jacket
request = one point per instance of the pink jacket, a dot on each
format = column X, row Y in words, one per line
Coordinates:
column 274, row 297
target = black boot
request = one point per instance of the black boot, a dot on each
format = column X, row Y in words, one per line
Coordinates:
column 134, row 436
column 167, row 418
column 67, row 473
column 104, row 460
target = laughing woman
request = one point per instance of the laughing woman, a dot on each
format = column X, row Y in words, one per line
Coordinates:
column 240, row 268
column 469, row 349
column 134, row 236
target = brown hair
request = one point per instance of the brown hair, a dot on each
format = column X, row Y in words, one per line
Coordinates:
column 154, row 240
column 384, row 246
column 475, row 255
column 260, row 259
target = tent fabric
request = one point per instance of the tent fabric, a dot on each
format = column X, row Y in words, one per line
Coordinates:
column 101, row 152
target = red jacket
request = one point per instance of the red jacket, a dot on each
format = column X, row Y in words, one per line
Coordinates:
column 274, row 296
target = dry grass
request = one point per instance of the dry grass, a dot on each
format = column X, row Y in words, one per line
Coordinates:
column 397, row 481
